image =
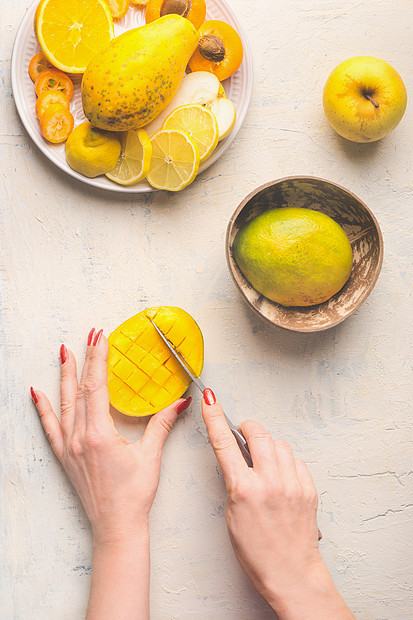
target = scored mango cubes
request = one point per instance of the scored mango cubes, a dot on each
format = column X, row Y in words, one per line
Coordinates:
column 143, row 376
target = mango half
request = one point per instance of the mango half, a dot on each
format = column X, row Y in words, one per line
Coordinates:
column 143, row 376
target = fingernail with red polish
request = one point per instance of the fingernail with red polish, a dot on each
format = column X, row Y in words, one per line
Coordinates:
column 183, row 405
column 97, row 337
column 209, row 397
column 63, row 354
column 90, row 337
column 34, row 396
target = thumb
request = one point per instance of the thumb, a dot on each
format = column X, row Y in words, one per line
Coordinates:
column 160, row 424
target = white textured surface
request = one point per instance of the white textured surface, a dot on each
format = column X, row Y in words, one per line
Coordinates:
column 72, row 257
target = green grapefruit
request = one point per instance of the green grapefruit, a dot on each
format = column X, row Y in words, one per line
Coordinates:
column 294, row 256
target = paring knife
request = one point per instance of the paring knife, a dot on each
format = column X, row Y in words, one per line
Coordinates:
column 239, row 437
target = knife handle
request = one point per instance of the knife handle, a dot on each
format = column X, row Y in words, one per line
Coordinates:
column 245, row 451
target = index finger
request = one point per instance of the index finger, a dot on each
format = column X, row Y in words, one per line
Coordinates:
column 222, row 440
column 96, row 383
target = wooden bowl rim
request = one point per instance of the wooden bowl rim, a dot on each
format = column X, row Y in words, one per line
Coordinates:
column 230, row 259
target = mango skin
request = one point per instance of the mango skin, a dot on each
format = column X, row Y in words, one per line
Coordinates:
column 135, row 77
column 294, row 256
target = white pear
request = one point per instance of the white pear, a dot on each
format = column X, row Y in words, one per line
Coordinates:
column 205, row 89
column 225, row 113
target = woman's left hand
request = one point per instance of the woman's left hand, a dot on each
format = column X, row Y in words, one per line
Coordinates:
column 116, row 479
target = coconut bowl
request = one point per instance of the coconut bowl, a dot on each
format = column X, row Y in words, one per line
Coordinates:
column 346, row 209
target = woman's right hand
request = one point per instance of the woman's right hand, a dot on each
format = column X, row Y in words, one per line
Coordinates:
column 271, row 515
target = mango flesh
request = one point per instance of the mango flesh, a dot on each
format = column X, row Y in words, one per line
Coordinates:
column 135, row 77
column 143, row 376
column 294, row 256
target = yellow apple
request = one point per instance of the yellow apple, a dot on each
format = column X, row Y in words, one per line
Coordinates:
column 364, row 98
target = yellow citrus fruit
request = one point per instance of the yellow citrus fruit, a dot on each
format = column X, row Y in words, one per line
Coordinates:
column 293, row 256
column 175, row 160
column 134, row 159
column 143, row 375
column 197, row 122
column 72, row 32
column 91, row 151
column 139, row 2
column 118, row 8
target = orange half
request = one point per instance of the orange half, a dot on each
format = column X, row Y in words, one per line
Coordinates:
column 72, row 32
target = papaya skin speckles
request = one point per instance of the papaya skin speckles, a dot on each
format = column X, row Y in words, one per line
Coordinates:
column 126, row 89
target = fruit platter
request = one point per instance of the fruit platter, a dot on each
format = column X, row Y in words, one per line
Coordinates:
column 31, row 102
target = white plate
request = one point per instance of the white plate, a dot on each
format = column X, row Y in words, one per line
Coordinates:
column 237, row 88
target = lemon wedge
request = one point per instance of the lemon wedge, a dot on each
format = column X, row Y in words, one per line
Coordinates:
column 198, row 123
column 175, row 160
column 134, row 159
column 72, row 33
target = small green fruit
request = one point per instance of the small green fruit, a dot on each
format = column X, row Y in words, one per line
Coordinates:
column 293, row 256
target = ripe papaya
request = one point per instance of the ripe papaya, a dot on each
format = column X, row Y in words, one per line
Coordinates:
column 135, row 77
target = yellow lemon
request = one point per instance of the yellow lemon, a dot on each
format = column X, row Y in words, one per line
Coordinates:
column 92, row 151
column 135, row 158
column 197, row 122
column 72, row 33
column 293, row 256
column 175, row 160
column 143, row 376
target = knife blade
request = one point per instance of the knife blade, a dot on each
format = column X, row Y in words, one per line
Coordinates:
column 239, row 437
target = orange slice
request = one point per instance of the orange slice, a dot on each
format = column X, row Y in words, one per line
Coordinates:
column 53, row 79
column 72, row 32
column 48, row 98
column 38, row 64
column 56, row 124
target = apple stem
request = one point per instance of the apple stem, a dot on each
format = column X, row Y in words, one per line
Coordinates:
column 376, row 105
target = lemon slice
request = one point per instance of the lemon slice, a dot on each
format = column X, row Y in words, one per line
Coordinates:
column 198, row 123
column 134, row 159
column 175, row 160
column 72, row 33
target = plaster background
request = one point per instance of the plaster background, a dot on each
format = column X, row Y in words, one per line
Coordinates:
column 72, row 257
